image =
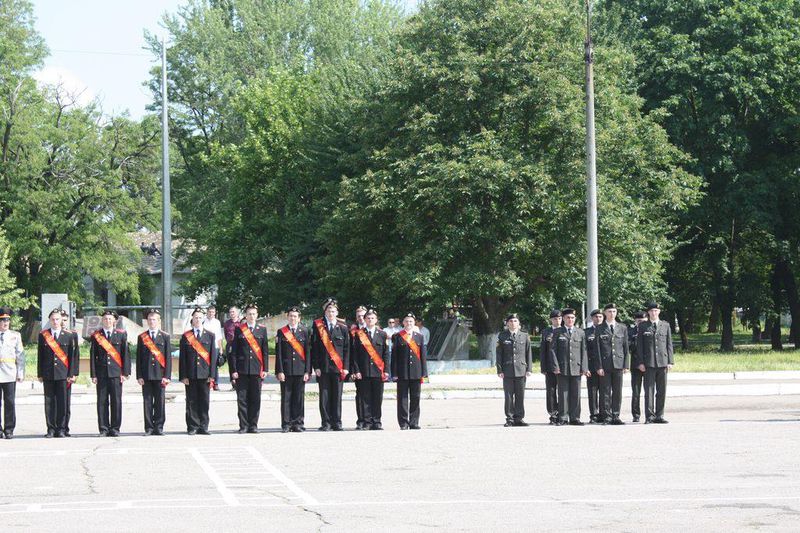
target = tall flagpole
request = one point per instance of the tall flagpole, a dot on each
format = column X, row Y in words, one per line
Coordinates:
column 592, row 288
column 166, row 217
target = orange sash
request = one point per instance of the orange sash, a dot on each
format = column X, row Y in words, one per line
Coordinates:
column 367, row 344
column 291, row 339
column 326, row 341
column 248, row 335
column 148, row 341
column 57, row 349
column 199, row 348
column 107, row 346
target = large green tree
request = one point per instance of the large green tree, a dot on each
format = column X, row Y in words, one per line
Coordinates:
column 725, row 76
column 473, row 181
column 262, row 95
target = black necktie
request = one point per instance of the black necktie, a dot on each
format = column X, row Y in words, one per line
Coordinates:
column 197, row 333
column 612, row 329
column 1, row 337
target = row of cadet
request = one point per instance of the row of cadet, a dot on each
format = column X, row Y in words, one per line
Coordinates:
column 602, row 352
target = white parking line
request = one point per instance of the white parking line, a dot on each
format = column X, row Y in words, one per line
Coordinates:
column 280, row 476
column 227, row 495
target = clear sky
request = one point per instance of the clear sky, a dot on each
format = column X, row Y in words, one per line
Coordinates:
column 97, row 46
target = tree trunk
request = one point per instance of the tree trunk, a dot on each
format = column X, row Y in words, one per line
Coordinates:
column 683, row 326
column 713, row 316
column 728, row 293
column 790, row 286
column 756, row 332
column 777, row 305
column 487, row 322
column 767, row 332
column 726, row 344
column 775, row 336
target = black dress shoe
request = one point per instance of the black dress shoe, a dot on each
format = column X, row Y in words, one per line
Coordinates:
column 337, row 428
column 413, row 427
column 575, row 423
column 203, row 431
column 294, row 429
column 403, row 428
column 241, row 431
column 561, row 422
column 285, row 429
column 376, row 427
column 252, row 430
column 616, row 422
column 521, row 423
column 9, row 435
column 325, row 427
column 649, row 421
column 192, row 432
column 300, row 428
column 148, row 432
column 592, row 419
column 2, row 435
column 65, row 433
column 660, row 420
column 158, row 432
column 50, row 434
column 59, row 434
column 635, row 419
column 508, row 424
column 113, row 433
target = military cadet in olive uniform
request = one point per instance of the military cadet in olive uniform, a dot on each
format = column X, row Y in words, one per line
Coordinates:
column 57, row 365
column 655, row 358
column 154, row 372
column 569, row 359
column 611, row 362
column 546, row 365
column 109, row 366
column 637, row 376
column 198, row 358
column 409, row 367
column 330, row 358
column 593, row 381
column 514, row 359
column 248, row 364
column 293, row 370
column 370, row 361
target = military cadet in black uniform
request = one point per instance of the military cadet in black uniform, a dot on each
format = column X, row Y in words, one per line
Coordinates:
column 248, row 364
column 637, row 376
column 569, row 359
column 198, row 358
column 57, row 369
column 331, row 368
column 154, row 372
column 74, row 334
column 611, row 362
column 359, row 324
column 593, row 381
column 293, row 369
column 514, row 359
column 546, row 365
column 370, row 361
column 655, row 358
column 110, row 366
column 408, row 370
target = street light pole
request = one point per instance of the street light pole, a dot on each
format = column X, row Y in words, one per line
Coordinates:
column 166, row 217
column 592, row 287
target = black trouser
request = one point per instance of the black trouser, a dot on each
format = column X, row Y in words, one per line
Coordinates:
column 55, row 404
column 408, row 393
column 514, row 389
column 109, row 391
column 655, row 387
column 593, row 388
column 330, row 399
column 636, row 392
column 372, row 396
column 610, row 394
column 8, row 392
column 551, row 394
column 569, row 398
column 293, row 391
column 360, row 419
column 248, row 400
column 69, row 408
column 197, row 401
column 154, row 402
